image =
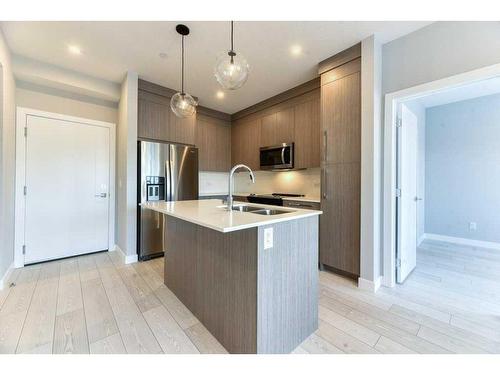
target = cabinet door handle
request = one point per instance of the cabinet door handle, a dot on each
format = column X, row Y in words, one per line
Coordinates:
column 325, row 145
column 324, row 183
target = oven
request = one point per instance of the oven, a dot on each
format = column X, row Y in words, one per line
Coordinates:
column 277, row 157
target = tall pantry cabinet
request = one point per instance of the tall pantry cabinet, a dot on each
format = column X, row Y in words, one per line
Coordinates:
column 341, row 165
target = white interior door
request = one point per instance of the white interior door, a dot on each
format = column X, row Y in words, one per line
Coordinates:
column 407, row 203
column 67, row 180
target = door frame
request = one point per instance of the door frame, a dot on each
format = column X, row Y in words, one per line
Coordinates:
column 392, row 100
column 21, row 118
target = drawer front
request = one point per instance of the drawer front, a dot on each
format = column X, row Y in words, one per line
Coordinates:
column 302, row 204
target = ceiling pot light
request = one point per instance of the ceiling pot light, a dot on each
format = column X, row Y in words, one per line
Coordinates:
column 296, row 50
column 183, row 104
column 231, row 68
column 220, row 94
column 75, row 50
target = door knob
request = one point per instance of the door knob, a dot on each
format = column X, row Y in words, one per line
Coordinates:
column 418, row 199
column 101, row 195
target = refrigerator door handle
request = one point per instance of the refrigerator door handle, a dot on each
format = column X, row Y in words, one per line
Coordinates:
column 168, row 185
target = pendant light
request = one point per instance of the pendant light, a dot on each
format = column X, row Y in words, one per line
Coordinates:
column 183, row 104
column 231, row 69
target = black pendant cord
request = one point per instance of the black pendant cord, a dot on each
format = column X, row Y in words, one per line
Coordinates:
column 231, row 51
column 182, row 66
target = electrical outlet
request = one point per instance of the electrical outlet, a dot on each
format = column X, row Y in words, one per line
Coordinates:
column 268, row 238
column 472, row 226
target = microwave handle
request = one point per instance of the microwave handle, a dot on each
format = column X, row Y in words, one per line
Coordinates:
column 283, row 155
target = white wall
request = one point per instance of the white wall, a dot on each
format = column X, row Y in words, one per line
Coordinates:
column 53, row 100
column 371, row 163
column 7, row 159
column 419, row 110
column 463, row 169
column 126, row 199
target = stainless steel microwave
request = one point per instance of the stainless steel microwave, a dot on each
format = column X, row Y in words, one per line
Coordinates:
column 277, row 157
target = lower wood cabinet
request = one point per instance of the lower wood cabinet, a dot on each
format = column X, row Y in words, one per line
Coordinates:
column 340, row 222
column 213, row 139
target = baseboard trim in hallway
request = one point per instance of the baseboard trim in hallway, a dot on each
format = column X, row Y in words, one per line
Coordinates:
column 461, row 241
column 369, row 285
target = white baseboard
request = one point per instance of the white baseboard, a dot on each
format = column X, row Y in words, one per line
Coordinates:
column 127, row 259
column 368, row 285
column 421, row 239
column 5, row 279
column 462, row 241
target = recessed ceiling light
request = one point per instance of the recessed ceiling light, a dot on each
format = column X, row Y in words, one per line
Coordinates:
column 75, row 50
column 162, row 55
column 220, row 94
column 296, row 50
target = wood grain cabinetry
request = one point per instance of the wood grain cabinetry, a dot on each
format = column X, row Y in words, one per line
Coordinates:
column 295, row 119
column 307, row 133
column 278, row 127
column 156, row 120
column 245, row 142
column 341, row 167
column 213, row 139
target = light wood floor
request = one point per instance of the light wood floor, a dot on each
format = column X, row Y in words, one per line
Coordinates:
column 96, row 304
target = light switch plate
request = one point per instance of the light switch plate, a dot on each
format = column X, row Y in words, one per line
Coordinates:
column 268, row 238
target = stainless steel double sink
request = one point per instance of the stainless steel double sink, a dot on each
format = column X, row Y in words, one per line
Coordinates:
column 259, row 210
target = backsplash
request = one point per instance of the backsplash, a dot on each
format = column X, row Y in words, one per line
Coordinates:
column 307, row 182
column 213, row 183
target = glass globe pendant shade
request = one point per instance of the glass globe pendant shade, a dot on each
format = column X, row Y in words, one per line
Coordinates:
column 231, row 70
column 183, row 105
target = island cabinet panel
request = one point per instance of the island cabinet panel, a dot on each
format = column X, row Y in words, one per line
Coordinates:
column 213, row 139
column 156, row 121
column 288, row 286
column 215, row 275
column 307, row 133
column 341, row 168
column 253, row 299
column 245, row 143
column 278, row 127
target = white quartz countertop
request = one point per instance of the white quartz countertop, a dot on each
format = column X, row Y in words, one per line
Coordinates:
column 212, row 214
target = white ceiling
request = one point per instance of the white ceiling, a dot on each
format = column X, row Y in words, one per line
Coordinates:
column 109, row 49
column 473, row 90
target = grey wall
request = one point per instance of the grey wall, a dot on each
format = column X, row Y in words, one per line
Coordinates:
column 7, row 158
column 439, row 50
column 463, row 169
column 419, row 110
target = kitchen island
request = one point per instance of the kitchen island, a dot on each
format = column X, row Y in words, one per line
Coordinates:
column 249, row 275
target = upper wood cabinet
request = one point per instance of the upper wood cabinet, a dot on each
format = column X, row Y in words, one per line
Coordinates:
column 157, row 121
column 296, row 119
column 213, row 139
column 245, row 142
column 341, row 114
column 278, row 127
column 307, row 133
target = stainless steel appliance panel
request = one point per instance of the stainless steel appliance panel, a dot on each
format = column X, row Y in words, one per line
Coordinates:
column 277, row 157
column 167, row 172
column 182, row 172
column 153, row 157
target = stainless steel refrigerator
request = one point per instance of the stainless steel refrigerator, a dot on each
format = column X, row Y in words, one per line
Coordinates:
column 166, row 172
